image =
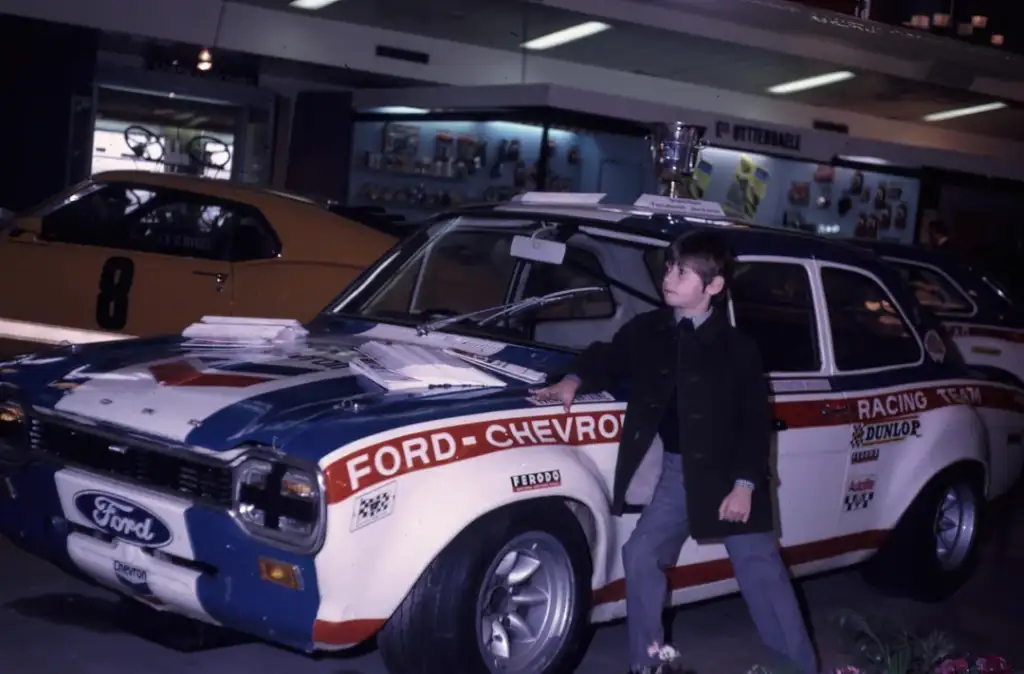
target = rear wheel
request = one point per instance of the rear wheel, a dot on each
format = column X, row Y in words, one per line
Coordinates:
column 934, row 548
column 510, row 594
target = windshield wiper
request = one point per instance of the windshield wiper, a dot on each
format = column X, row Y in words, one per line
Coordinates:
column 506, row 309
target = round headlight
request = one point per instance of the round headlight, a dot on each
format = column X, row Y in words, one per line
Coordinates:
column 11, row 413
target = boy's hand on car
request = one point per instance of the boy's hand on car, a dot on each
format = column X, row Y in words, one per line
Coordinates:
column 736, row 506
column 563, row 392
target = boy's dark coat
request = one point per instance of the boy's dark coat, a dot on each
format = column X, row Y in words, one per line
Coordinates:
column 725, row 417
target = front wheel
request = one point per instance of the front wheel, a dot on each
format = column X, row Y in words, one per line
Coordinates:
column 934, row 548
column 509, row 594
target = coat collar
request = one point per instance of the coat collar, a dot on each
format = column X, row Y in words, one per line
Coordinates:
column 706, row 331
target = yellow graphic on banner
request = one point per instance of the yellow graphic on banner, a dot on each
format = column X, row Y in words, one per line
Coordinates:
column 750, row 183
column 701, row 179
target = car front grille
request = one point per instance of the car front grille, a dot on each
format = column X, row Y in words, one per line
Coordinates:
column 146, row 467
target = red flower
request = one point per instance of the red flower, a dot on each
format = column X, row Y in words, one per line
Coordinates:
column 958, row 666
column 993, row 664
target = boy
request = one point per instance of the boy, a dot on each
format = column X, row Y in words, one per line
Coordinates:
column 697, row 382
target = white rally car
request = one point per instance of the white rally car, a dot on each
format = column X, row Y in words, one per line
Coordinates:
column 985, row 322
column 384, row 472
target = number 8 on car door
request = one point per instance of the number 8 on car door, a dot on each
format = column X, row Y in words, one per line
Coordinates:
column 132, row 259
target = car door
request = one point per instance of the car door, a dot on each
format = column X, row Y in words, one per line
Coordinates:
column 121, row 258
column 777, row 301
column 877, row 358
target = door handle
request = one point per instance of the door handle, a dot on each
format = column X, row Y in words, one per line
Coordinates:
column 780, row 425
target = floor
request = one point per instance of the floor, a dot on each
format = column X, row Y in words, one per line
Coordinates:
column 52, row 624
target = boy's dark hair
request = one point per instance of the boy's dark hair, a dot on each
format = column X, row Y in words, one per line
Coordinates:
column 705, row 252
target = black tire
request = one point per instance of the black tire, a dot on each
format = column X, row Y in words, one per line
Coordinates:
column 908, row 564
column 435, row 629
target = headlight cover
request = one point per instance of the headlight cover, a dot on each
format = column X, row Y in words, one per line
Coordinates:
column 279, row 502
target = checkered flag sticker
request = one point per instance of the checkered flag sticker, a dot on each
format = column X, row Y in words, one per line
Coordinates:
column 858, row 500
column 858, row 436
column 374, row 506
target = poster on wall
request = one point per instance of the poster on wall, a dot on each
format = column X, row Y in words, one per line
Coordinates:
column 747, row 190
column 701, row 179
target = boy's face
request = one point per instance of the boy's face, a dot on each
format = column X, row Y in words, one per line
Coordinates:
column 683, row 289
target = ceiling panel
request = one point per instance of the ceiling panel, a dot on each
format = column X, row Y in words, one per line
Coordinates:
column 505, row 24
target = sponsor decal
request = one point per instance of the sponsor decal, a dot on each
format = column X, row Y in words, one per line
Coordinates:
column 374, row 506
column 206, row 371
column 128, row 573
column 136, row 580
column 989, row 331
column 893, row 405
column 600, row 397
column 383, row 461
column 934, row 346
column 123, row 519
column 884, row 432
column 908, row 403
column 898, row 404
column 960, row 395
column 865, row 456
column 859, row 493
column 534, row 481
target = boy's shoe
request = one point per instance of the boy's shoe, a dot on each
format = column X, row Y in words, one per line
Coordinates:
column 669, row 657
column 666, row 654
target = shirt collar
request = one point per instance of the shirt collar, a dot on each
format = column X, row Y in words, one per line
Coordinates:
column 697, row 320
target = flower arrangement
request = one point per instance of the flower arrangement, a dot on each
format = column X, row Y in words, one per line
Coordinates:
column 884, row 648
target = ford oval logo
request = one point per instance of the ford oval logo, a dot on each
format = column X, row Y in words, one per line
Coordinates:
column 123, row 519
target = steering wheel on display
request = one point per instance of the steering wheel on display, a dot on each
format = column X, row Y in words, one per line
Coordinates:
column 143, row 143
column 209, row 151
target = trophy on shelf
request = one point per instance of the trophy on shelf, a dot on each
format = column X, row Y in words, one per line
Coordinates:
column 676, row 147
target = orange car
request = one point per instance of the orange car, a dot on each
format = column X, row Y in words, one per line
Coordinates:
column 136, row 253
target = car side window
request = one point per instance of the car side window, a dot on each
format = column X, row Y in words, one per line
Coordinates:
column 95, row 216
column 166, row 222
column 252, row 237
column 934, row 290
column 773, row 303
column 868, row 330
column 579, row 269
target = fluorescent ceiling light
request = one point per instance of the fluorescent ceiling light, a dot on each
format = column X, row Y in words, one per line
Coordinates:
column 811, row 82
column 399, row 110
column 864, row 160
column 564, row 36
column 963, row 112
column 311, row 4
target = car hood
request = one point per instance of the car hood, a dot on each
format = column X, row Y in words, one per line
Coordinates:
column 221, row 398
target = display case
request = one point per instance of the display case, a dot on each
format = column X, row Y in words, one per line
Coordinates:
column 415, row 161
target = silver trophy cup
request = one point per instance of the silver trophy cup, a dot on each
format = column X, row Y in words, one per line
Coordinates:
column 676, row 148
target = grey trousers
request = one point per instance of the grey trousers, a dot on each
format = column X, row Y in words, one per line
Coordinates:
column 764, row 582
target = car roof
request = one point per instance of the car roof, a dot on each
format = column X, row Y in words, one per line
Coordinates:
column 216, row 187
column 660, row 218
column 938, row 258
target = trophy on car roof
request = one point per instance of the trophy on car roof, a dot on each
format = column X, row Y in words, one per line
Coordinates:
column 675, row 148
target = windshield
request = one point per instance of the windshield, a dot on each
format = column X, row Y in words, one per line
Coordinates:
column 468, row 264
